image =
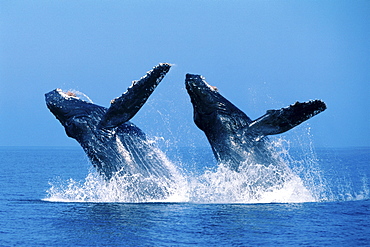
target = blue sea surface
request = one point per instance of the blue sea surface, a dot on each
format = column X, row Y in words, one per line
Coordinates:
column 30, row 215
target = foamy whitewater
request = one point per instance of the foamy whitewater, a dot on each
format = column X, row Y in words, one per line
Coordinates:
column 290, row 182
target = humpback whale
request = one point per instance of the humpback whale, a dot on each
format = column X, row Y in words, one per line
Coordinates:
column 114, row 145
column 234, row 137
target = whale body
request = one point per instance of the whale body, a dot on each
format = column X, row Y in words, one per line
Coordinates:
column 114, row 145
column 234, row 137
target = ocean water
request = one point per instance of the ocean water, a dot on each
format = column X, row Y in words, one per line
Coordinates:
column 52, row 197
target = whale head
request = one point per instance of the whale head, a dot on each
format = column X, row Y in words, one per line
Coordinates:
column 76, row 115
column 210, row 106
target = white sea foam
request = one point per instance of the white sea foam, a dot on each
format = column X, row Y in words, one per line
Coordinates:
column 220, row 186
column 133, row 189
column 254, row 183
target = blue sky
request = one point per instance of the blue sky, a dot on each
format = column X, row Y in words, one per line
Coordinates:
column 260, row 54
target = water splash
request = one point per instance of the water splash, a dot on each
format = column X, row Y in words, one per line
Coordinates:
column 298, row 177
column 133, row 189
column 226, row 186
column 253, row 183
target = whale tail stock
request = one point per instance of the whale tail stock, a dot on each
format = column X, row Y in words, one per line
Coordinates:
column 123, row 108
column 279, row 121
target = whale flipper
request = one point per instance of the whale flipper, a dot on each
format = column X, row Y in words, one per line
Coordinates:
column 278, row 121
column 123, row 108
